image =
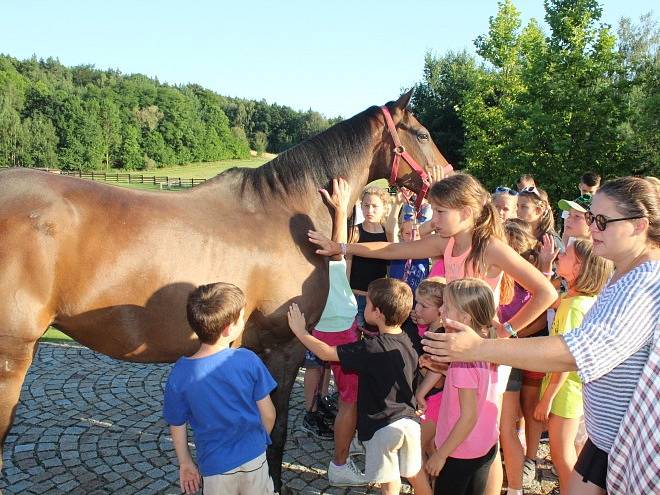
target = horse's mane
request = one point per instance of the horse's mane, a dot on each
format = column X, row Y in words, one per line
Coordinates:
column 315, row 161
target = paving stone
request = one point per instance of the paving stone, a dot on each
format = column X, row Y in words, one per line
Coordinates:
column 91, row 425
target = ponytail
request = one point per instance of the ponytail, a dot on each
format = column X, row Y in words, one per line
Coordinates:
column 486, row 225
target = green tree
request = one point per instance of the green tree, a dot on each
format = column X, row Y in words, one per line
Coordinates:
column 638, row 46
column 131, row 156
column 437, row 99
column 260, row 142
column 39, row 143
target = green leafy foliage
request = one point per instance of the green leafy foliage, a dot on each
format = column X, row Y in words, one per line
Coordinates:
column 553, row 104
column 82, row 118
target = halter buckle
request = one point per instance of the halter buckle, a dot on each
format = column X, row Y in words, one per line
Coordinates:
column 399, row 150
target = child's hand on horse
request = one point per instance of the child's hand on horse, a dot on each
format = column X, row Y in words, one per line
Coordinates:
column 341, row 195
column 328, row 247
column 296, row 320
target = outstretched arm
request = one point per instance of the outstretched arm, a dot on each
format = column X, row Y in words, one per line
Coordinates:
column 424, row 248
column 339, row 200
column 298, row 327
column 537, row 354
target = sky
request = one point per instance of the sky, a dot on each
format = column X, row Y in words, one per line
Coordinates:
column 336, row 57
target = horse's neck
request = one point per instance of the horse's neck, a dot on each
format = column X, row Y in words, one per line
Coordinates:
column 292, row 181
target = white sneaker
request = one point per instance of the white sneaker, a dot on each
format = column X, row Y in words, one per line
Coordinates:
column 356, row 447
column 346, row 475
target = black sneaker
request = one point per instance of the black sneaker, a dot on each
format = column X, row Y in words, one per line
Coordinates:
column 313, row 424
column 327, row 408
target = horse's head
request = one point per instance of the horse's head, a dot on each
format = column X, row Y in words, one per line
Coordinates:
column 408, row 152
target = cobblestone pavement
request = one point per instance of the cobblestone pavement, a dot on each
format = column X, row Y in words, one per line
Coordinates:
column 91, row 425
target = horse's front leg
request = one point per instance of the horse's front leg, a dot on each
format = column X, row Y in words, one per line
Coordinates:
column 15, row 359
column 283, row 362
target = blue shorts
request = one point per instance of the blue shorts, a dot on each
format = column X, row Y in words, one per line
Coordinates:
column 312, row 360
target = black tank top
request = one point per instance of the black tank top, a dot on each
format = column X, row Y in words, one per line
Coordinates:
column 366, row 270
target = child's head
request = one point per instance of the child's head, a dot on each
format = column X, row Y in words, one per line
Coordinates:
column 374, row 200
column 408, row 231
column 520, row 237
column 584, row 272
column 388, row 299
column 460, row 203
column 216, row 310
column 505, row 201
column 470, row 301
column 534, row 207
column 429, row 300
column 589, row 183
column 525, row 180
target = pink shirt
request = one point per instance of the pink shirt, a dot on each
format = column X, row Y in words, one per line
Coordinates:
column 482, row 377
column 455, row 269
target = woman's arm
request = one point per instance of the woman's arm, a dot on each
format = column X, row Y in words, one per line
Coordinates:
column 542, row 292
column 537, row 354
column 424, row 248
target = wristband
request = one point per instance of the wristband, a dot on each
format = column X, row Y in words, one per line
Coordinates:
column 343, row 248
column 509, row 329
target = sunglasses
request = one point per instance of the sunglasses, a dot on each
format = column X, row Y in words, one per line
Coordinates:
column 531, row 189
column 601, row 221
column 502, row 189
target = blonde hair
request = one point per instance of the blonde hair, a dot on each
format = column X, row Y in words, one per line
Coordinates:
column 376, row 191
column 595, row 271
column 432, row 288
column 475, row 298
column 354, row 230
column 460, row 191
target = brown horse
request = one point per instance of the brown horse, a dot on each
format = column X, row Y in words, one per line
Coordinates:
column 112, row 267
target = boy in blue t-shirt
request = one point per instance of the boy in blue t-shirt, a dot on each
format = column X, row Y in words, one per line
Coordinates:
column 223, row 394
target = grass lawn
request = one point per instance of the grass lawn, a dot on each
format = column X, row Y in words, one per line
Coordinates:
column 203, row 170
column 53, row 335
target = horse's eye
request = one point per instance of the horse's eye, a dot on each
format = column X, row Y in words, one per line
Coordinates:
column 423, row 136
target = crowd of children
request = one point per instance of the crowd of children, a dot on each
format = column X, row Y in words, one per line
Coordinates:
column 494, row 263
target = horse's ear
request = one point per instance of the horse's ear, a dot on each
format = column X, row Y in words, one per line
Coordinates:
column 404, row 100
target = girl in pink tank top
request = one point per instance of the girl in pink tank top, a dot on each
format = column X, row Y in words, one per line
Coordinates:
column 455, row 268
column 469, row 234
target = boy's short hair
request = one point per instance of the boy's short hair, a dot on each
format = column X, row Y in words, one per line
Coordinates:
column 213, row 307
column 393, row 297
column 591, row 179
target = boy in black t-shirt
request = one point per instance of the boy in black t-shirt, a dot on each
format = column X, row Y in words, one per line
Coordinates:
column 386, row 366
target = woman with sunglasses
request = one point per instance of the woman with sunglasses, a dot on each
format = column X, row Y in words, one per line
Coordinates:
column 616, row 349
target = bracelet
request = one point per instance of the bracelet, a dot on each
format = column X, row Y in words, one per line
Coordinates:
column 343, row 248
column 509, row 329
column 548, row 274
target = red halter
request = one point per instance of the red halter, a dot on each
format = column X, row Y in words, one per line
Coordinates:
column 400, row 152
